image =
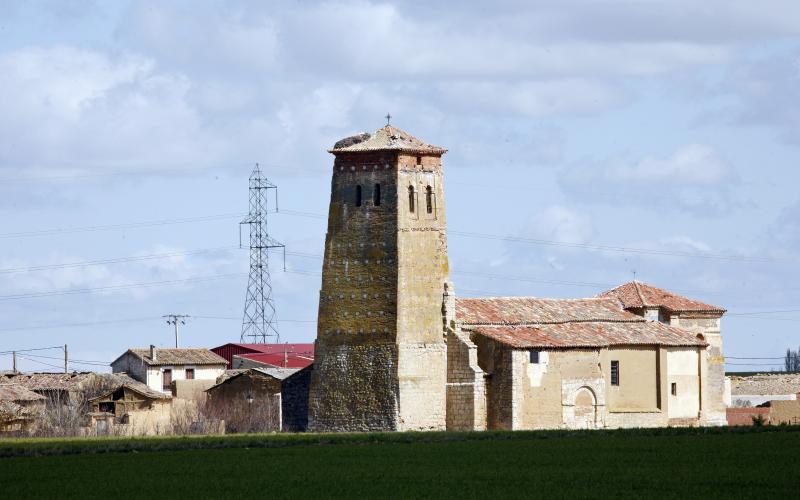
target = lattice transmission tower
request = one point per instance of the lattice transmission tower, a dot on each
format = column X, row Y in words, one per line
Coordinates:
column 259, row 324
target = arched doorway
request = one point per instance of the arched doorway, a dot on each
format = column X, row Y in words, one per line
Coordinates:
column 585, row 410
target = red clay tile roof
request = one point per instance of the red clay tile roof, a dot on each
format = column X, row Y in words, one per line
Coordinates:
column 528, row 322
column 588, row 334
column 388, row 138
column 532, row 310
column 178, row 357
column 635, row 295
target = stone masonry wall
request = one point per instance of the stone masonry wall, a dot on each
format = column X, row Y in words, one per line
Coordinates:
column 466, row 389
column 294, row 401
column 713, row 389
column 422, row 274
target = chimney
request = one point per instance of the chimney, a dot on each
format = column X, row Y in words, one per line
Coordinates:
column 153, row 353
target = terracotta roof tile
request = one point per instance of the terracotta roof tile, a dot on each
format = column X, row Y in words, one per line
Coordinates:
column 588, row 334
column 635, row 295
column 179, row 357
column 528, row 322
column 388, row 138
column 532, row 310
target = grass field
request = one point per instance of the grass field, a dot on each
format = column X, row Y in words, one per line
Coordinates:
column 677, row 463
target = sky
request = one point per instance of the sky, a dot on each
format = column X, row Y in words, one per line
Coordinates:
column 589, row 142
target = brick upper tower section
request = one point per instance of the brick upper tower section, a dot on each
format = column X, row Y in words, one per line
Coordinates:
column 380, row 356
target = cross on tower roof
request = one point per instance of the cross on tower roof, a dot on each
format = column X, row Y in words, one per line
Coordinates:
column 388, row 118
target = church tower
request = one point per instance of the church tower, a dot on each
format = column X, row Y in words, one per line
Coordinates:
column 380, row 358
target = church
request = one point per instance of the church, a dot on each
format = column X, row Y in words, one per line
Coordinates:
column 398, row 350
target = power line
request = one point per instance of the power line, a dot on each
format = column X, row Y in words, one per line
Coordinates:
column 115, row 260
column 130, row 225
column 34, row 349
column 735, row 357
column 608, row 248
column 119, row 287
column 86, row 323
column 41, row 362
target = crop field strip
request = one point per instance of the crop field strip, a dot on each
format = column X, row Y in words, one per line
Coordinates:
column 676, row 463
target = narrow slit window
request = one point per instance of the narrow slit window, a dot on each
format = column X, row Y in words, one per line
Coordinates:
column 615, row 373
column 419, row 159
column 376, row 195
column 534, row 357
column 358, row 195
column 429, row 199
column 674, row 389
column 411, row 199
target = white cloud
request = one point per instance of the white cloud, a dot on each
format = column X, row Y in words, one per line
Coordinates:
column 561, row 224
column 694, row 177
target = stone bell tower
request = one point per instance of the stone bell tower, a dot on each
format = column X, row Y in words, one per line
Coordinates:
column 380, row 359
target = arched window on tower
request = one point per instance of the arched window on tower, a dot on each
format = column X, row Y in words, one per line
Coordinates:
column 429, row 199
column 358, row 195
column 376, row 195
column 411, row 199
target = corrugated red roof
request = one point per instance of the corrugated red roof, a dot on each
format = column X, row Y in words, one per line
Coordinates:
column 277, row 359
column 635, row 295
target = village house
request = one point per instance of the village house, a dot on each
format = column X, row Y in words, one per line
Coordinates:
column 159, row 368
column 397, row 350
column 277, row 396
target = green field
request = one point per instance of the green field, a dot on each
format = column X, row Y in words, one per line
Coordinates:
column 677, row 463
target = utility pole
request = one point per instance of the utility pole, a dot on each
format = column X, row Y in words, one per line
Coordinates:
column 175, row 320
column 14, row 361
column 66, row 359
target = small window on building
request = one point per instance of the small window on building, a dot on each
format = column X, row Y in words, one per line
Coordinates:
column 106, row 407
column 429, row 199
column 615, row 373
column 166, row 379
column 674, row 389
column 358, row 195
column 190, row 374
column 419, row 159
column 534, row 357
column 376, row 195
column 411, row 199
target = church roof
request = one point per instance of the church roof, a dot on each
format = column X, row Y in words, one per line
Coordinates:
column 635, row 295
column 530, row 310
column 388, row 138
column 530, row 322
column 594, row 334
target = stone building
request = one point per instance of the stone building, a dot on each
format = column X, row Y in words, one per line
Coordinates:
column 397, row 350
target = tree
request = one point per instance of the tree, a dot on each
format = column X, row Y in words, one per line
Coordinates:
column 792, row 360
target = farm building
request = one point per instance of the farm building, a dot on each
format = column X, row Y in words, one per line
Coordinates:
column 131, row 407
column 159, row 368
column 18, row 408
column 277, row 396
column 397, row 350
